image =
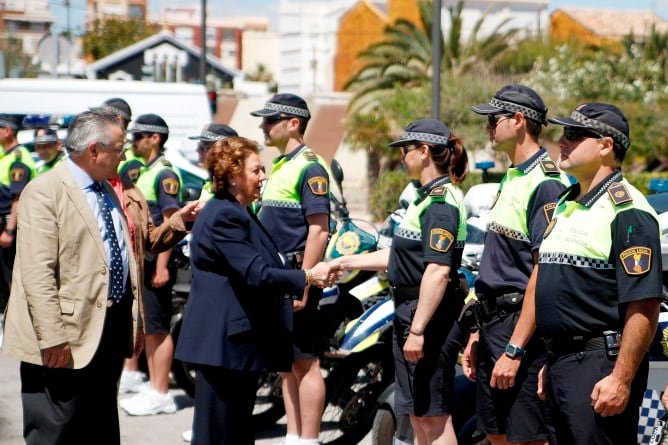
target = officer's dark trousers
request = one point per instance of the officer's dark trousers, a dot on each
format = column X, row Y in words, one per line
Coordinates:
column 6, row 265
column 78, row 406
column 569, row 382
column 224, row 401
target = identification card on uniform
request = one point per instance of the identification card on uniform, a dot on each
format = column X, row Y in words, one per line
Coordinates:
column 660, row 433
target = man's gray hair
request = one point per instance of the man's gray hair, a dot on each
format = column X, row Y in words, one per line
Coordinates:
column 90, row 126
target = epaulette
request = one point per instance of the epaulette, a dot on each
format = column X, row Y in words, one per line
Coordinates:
column 165, row 162
column 310, row 156
column 549, row 167
column 18, row 153
column 437, row 191
column 619, row 194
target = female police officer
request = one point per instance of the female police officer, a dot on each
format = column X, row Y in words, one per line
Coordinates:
column 422, row 266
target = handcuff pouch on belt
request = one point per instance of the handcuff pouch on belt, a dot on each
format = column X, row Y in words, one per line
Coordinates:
column 610, row 341
column 476, row 312
column 469, row 318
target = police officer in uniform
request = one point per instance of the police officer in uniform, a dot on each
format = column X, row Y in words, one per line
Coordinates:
column 503, row 356
column 48, row 148
column 295, row 211
column 16, row 169
column 598, row 287
column 209, row 135
column 422, row 268
column 160, row 183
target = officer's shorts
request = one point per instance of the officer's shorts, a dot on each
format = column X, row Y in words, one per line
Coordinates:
column 569, row 382
column 424, row 388
column 306, row 332
column 517, row 411
column 157, row 302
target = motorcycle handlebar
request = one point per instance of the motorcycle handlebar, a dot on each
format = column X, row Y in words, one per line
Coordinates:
column 340, row 209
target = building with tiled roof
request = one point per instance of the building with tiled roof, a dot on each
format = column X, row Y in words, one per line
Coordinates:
column 603, row 27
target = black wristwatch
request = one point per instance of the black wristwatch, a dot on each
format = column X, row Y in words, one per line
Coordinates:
column 512, row 350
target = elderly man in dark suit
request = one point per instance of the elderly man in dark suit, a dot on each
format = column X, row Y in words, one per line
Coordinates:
column 73, row 305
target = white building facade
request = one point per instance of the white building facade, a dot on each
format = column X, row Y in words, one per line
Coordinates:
column 307, row 44
column 530, row 17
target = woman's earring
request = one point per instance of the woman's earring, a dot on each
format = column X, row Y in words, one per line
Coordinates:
column 234, row 184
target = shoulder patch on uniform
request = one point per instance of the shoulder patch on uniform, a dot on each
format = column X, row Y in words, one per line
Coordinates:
column 319, row 185
column 636, row 260
column 17, row 174
column 437, row 191
column 165, row 162
column 549, row 228
column 441, row 240
column 170, row 186
column 548, row 210
column 549, row 167
column 309, row 155
column 133, row 174
column 18, row 153
column 619, row 194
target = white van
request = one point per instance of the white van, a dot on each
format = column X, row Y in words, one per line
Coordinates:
column 185, row 107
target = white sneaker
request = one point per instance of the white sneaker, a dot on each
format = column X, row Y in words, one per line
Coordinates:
column 131, row 381
column 187, row 436
column 148, row 403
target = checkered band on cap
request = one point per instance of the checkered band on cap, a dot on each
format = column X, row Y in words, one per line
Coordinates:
column 425, row 137
column 513, row 107
column 117, row 111
column 287, row 109
column 4, row 123
column 212, row 136
column 146, row 128
column 602, row 127
column 45, row 139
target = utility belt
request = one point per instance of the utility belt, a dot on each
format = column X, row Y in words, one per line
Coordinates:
column 610, row 341
column 476, row 312
column 295, row 259
column 402, row 294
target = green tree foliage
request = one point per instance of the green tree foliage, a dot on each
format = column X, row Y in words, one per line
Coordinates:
column 633, row 80
column 385, row 197
column 105, row 37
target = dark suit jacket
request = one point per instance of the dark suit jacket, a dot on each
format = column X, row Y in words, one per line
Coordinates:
column 237, row 316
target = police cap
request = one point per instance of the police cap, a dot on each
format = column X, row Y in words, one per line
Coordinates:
column 118, row 107
column 149, row 123
column 215, row 132
column 9, row 121
column 45, row 136
column 604, row 119
column 284, row 103
column 515, row 98
column 430, row 131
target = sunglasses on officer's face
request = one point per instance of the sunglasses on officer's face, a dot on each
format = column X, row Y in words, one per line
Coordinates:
column 136, row 137
column 575, row 134
column 271, row 120
column 493, row 119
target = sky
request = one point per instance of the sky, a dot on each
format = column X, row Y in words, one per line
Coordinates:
column 270, row 8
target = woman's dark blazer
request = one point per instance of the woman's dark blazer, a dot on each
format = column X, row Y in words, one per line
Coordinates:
column 239, row 314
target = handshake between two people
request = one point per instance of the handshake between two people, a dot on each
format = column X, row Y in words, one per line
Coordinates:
column 323, row 274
